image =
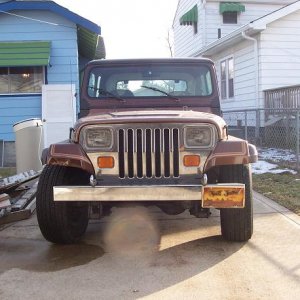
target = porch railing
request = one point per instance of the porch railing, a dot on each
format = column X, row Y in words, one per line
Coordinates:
column 287, row 97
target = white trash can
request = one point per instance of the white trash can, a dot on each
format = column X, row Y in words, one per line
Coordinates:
column 29, row 145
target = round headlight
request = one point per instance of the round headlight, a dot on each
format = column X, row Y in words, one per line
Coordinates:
column 199, row 137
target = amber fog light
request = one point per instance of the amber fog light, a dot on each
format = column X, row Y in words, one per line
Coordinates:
column 191, row 160
column 106, row 162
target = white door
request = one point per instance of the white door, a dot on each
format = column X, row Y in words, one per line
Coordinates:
column 58, row 112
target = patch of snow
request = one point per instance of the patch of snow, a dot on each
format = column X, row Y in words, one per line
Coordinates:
column 262, row 167
column 275, row 156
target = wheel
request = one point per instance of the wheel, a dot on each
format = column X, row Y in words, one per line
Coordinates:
column 60, row 222
column 237, row 223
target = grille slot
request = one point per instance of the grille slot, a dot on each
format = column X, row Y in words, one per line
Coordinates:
column 148, row 153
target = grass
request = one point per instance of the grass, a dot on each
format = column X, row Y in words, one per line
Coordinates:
column 6, row 172
column 282, row 188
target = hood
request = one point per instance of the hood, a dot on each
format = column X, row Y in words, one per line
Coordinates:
column 155, row 116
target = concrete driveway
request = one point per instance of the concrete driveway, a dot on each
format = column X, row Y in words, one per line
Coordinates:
column 192, row 261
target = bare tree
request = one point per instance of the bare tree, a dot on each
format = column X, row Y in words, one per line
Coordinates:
column 170, row 42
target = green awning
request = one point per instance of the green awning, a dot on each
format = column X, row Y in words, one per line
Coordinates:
column 29, row 53
column 190, row 17
column 231, row 7
column 90, row 44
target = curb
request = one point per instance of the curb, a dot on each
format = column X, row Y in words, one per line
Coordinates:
column 277, row 207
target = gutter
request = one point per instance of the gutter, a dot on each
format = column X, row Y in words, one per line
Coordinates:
column 220, row 41
column 256, row 64
column 204, row 39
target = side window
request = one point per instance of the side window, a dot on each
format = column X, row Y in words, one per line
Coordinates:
column 206, row 84
column 98, row 86
column 92, row 85
column 227, row 78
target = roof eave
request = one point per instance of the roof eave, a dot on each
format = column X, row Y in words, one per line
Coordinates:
column 88, row 40
column 227, row 42
column 219, row 44
column 54, row 7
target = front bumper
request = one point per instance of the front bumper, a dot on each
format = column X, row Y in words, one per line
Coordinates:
column 214, row 195
column 127, row 193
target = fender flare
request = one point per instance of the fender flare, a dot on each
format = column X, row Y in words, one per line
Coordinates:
column 69, row 155
column 231, row 152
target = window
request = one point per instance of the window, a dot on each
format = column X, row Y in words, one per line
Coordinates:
column 227, row 76
column 150, row 81
column 230, row 17
column 195, row 28
column 230, row 11
column 230, row 78
column 21, row 80
column 223, row 80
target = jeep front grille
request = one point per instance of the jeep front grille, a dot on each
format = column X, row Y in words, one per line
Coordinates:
column 148, row 153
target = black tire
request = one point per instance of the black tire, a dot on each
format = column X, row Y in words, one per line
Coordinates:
column 237, row 223
column 60, row 222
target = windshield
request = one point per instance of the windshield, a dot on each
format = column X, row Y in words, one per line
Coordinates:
column 150, row 81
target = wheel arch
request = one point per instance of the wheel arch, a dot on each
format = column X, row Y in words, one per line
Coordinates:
column 68, row 154
column 231, row 152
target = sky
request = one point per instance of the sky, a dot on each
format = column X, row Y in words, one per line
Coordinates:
column 131, row 28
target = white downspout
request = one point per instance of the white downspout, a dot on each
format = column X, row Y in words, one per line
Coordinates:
column 204, row 23
column 256, row 59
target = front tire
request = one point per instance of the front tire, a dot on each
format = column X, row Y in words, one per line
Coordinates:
column 237, row 223
column 60, row 222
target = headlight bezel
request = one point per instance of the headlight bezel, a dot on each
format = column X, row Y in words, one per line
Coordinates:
column 212, row 132
column 84, row 138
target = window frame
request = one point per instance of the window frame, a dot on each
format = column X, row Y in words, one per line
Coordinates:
column 228, row 80
column 109, row 83
column 12, row 93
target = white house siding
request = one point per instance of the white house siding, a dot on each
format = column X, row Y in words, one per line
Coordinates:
column 186, row 43
column 214, row 19
column 63, row 60
column 279, row 53
column 244, row 76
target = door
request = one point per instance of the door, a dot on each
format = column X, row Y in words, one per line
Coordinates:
column 58, row 112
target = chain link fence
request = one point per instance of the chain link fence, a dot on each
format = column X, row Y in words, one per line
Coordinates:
column 277, row 129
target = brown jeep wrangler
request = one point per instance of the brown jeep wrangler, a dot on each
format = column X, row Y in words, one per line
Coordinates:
column 150, row 132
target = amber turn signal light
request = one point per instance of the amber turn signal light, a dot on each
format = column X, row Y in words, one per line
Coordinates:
column 106, row 162
column 191, row 160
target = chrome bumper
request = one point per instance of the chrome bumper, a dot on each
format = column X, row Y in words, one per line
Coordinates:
column 127, row 193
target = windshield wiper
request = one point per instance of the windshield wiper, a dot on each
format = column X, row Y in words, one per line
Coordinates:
column 161, row 91
column 107, row 93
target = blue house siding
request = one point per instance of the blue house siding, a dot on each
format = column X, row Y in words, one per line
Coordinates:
column 17, row 108
column 53, row 7
column 63, row 37
column 63, row 68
